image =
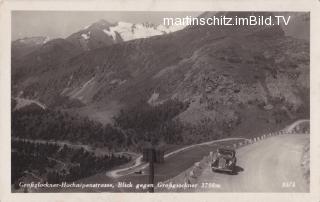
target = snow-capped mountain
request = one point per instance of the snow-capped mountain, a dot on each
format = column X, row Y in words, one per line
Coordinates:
column 130, row 31
column 103, row 33
column 97, row 35
column 92, row 37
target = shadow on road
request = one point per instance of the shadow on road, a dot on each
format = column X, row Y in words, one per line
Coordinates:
column 237, row 170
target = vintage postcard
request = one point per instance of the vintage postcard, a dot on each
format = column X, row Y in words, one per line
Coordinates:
column 149, row 102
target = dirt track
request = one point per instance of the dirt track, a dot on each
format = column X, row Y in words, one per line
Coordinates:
column 271, row 165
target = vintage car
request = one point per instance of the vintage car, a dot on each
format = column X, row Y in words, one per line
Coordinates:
column 224, row 160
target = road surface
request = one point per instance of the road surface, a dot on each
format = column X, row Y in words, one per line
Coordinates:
column 22, row 102
column 88, row 148
column 271, row 165
column 295, row 124
column 139, row 164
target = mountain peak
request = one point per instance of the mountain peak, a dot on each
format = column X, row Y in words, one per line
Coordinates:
column 101, row 24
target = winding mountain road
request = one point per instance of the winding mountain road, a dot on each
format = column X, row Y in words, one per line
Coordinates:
column 295, row 124
column 271, row 165
column 139, row 164
column 22, row 102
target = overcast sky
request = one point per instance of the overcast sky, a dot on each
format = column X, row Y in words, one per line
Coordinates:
column 55, row 24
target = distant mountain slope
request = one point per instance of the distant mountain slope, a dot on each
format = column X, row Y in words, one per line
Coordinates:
column 23, row 47
column 36, row 56
column 45, row 60
column 231, row 75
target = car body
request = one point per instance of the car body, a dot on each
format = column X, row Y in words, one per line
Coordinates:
column 224, row 159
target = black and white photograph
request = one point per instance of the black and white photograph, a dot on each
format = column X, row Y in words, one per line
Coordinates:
column 160, row 101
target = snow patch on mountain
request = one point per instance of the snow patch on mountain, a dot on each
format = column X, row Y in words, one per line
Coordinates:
column 46, row 40
column 86, row 27
column 110, row 33
column 33, row 40
column 86, row 36
column 129, row 31
column 169, row 29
